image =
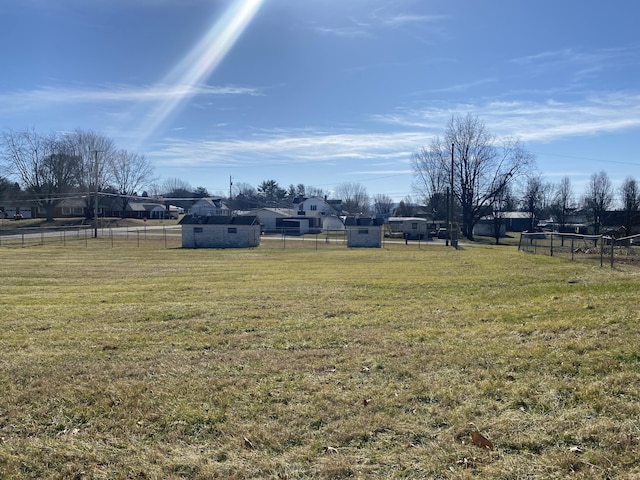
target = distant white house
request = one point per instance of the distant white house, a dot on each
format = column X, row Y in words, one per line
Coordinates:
column 209, row 206
column 318, row 206
column 174, row 212
column 332, row 223
column 270, row 217
column 217, row 231
column 486, row 227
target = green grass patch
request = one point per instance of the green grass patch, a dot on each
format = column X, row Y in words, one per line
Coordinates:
column 297, row 363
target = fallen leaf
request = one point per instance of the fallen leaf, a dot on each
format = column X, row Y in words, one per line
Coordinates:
column 248, row 444
column 479, row 440
column 330, row 450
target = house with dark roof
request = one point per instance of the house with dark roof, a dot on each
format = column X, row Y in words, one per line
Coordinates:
column 216, row 231
column 364, row 232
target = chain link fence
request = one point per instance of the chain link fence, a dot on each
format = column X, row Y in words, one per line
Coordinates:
column 602, row 249
column 170, row 236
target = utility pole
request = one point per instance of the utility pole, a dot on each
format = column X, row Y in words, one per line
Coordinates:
column 451, row 200
column 230, row 185
column 95, row 200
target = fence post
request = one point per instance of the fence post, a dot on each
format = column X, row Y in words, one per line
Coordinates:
column 572, row 248
column 164, row 234
column 601, row 249
column 138, row 237
column 551, row 248
column 613, row 243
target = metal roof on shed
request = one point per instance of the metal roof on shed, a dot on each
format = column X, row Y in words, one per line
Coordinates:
column 219, row 220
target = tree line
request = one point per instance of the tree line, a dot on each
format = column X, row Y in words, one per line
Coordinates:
column 52, row 167
column 49, row 168
column 468, row 174
column 461, row 176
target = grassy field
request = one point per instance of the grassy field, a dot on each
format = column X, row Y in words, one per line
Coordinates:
column 272, row 363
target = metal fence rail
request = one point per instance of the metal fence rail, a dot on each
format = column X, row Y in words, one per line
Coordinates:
column 170, row 236
column 593, row 248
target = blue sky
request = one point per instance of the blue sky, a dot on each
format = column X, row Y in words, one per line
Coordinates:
column 322, row 92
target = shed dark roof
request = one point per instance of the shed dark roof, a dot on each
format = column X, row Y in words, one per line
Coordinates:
column 363, row 222
column 219, row 220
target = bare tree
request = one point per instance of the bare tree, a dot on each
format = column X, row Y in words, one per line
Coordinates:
column 563, row 201
column 314, row 191
column 383, row 204
column 130, row 173
column 598, row 197
column 431, row 181
column 96, row 152
column 45, row 168
column 630, row 196
column 355, row 199
column 245, row 197
column 482, row 167
column 536, row 199
column 176, row 188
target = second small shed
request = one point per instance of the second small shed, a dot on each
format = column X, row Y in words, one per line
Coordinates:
column 220, row 232
column 364, row 232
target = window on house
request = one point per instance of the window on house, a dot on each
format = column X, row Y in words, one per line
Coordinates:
column 313, row 207
column 232, row 230
column 414, row 226
column 197, row 229
column 363, row 231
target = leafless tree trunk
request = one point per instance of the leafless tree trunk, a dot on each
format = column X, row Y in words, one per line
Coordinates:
column 598, row 197
column 130, row 172
column 630, row 196
column 482, row 167
column 96, row 152
column 45, row 168
column 355, row 199
column 383, row 203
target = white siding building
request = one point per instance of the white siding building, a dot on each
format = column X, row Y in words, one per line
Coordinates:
column 220, row 232
column 364, row 232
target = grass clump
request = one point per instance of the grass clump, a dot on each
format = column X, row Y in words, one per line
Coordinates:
column 267, row 363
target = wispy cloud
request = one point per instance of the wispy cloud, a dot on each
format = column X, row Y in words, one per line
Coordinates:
column 47, row 96
column 399, row 20
column 585, row 62
column 372, row 22
column 289, row 148
column 534, row 121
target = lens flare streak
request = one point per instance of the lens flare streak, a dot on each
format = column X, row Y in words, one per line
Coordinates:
column 200, row 62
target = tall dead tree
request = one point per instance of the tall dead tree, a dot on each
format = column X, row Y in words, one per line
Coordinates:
column 482, row 167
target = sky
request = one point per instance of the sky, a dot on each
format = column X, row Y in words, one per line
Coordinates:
column 323, row 92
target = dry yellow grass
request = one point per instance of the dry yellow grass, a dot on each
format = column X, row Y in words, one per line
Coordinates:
column 268, row 363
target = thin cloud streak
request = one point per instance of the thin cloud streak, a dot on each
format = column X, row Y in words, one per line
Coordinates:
column 289, row 148
column 529, row 121
column 534, row 121
column 46, row 96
